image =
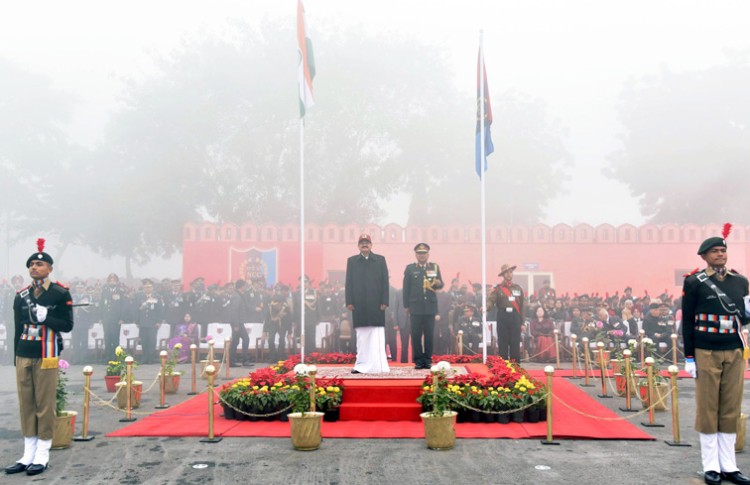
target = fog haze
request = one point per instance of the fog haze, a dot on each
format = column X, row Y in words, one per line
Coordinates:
column 604, row 112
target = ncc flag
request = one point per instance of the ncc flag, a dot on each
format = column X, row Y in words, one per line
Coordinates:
column 306, row 69
column 480, row 154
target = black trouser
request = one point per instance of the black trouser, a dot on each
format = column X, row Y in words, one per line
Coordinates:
column 274, row 356
column 147, row 334
column 238, row 332
column 509, row 335
column 405, row 332
column 111, row 337
column 422, row 326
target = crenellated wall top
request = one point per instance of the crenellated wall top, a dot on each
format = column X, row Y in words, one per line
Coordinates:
column 496, row 234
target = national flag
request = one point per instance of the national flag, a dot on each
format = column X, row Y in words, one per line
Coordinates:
column 479, row 154
column 306, row 70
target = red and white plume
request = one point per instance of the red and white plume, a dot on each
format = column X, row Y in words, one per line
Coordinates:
column 40, row 244
column 727, row 229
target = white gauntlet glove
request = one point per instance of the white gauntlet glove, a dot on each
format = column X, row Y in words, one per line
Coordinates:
column 690, row 367
column 41, row 313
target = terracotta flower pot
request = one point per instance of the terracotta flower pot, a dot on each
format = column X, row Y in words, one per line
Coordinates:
column 110, row 381
column 305, row 430
column 440, row 431
column 661, row 396
column 62, row 433
column 172, row 384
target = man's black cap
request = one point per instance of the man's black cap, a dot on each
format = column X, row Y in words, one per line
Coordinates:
column 39, row 255
column 712, row 242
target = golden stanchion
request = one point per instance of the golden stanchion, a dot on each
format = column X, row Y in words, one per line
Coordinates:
column 163, row 380
column 557, row 347
column 312, row 370
column 746, row 332
column 129, row 389
column 228, row 354
column 602, row 371
column 673, row 370
column 674, row 349
column 642, row 335
column 211, row 358
column 549, row 371
column 627, row 354
column 586, row 363
column 211, row 373
column 84, row 436
column 193, row 357
column 574, row 352
column 460, row 342
column 650, row 368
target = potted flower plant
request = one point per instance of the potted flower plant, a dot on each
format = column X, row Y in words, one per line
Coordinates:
column 172, row 380
column 115, row 369
column 661, row 384
column 440, row 422
column 304, row 420
column 65, row 421
column 136, row 387
column 328, row 398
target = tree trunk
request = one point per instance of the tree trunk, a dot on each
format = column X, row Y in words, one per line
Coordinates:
column 128, row 268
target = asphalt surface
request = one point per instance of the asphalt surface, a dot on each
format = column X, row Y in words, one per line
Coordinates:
column 347, row 461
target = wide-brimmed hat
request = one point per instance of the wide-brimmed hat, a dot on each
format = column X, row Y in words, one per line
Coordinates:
column 505, row 268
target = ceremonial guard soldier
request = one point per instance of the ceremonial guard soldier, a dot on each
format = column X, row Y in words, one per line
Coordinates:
column 176, row 304
column 421, row 280
column 509, row 299
column 114, row 312
column 714, row 308
column 41, row 311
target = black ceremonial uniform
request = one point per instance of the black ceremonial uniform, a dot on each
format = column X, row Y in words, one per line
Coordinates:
column 509, row 300
column 421, row 301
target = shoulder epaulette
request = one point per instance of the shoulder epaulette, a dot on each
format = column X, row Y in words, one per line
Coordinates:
column 691, row 273
column 60, row 284
column 23, row 289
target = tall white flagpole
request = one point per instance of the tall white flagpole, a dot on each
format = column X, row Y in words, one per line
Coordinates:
column 302, row 236
column 483, row 160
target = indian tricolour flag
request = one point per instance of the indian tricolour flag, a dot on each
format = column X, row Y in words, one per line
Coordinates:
column 306, row 71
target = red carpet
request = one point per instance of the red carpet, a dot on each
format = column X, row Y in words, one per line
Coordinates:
column 190, row 419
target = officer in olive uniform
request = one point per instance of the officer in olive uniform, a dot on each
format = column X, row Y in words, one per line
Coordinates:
column 509, row 299
column 421, row 280
column 42, row 311
column 714, row 308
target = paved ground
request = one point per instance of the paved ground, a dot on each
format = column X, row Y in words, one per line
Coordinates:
column 349, row 462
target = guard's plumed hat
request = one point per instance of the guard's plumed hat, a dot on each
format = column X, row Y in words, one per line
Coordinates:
column 716, row 241
column 422, row 248
column 40, row 255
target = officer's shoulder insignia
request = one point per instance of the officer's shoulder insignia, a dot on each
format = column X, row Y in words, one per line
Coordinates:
column 60, row 284
column 691, row 273
column 23, row 289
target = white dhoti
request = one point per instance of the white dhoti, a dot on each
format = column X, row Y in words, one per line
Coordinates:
column 371, row 358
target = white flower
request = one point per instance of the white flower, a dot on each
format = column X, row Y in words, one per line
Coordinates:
column 434, row 368
column 443, row 366
column 632, row 342
column 300, row 369
column 648, row 341
column 312, row 368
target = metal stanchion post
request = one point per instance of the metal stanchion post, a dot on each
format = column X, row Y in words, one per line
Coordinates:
column 460, row 342
column 673, row 370
column 84, row 436
column 557, row 347
column 211, row 373
column 586, row 363
column 227, row 355
column 549, row 371
column 602, row 371
column 312, row 370
column 211, row 359
column 650, row 368
column 574, row 353
column 642, row 335
column 193, row 352
column 163, row 380
column 674, row 349
column 129, row 389
column 626, row 354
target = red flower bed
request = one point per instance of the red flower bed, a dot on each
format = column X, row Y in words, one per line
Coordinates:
column 458, row 359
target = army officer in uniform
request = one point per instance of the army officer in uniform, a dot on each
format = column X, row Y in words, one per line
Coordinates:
column 421, row 280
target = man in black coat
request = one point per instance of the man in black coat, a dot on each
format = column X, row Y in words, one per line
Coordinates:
column 150, row 314
column 421, row 280
column 367, row 297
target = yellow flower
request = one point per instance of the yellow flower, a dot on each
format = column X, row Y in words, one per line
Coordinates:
column 119, row 351
column 494, row 393
column 278, row 384
column 113, row 362
column 426, row 388
column 336, row 389
column 295, row 387
column 177, row 346
column 255, row 388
